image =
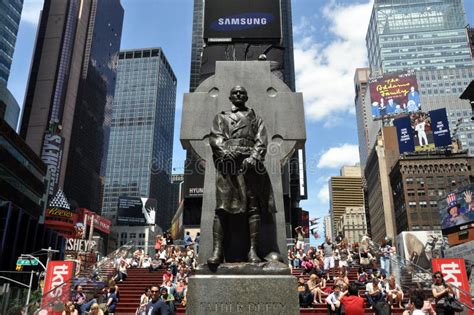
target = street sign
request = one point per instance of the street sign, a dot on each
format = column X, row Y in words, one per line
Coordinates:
column 26, row 262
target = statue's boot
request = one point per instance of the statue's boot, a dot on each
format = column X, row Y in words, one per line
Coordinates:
column 254, row 229
column 218, row 240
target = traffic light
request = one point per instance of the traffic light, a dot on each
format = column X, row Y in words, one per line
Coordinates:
column 19, row 267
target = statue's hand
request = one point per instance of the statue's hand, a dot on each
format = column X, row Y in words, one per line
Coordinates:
column 229, row 155
column 249, row 162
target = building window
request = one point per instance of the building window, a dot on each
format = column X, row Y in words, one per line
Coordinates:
column 123, row 235
column 421, row 193
column 412, row 204
column 409, row 180
column 410, row 192
column 133, row 235
column 423, row 204
column 141, row 235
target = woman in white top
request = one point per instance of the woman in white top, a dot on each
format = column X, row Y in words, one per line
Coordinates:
column 144, row 300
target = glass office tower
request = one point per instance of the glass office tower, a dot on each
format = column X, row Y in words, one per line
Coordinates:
column 141, row 137
column 10, row 15
column 417, row 34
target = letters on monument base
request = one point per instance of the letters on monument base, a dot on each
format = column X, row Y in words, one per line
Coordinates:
column 244, row 268
column 242, row 294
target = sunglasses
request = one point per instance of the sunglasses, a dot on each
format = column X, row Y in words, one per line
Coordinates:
column 438, row 277
column 155, row 291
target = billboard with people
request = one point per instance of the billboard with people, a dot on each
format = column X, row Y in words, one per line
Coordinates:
column 456, row 209
column 422, row 131
column 420, row 248
column 394, row 94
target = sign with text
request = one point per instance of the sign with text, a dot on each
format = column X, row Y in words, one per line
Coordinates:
column 100, row 223
column 57, row 287
column 404, row 134
column 136, row 211
column 79, row 245
column 394, row 94
column 51, row 155
column 454, row 273
column 440, row 127
column 242, row 19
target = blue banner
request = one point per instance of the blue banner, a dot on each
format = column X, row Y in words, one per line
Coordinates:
column 405, row 134
column 440, row 127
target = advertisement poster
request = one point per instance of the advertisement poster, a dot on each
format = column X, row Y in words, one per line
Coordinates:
column 136, row 211
column 394, row 94
column 51, row 155
column 242, row 19
column 419, row 248
column 56, row 286
column 456, row 209
column 440, row 126
column 422, row 131
column 404, row 134
column 454, row 273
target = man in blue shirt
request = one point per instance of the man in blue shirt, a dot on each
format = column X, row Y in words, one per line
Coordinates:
column 157, row 305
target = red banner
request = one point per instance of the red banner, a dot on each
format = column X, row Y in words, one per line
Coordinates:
column 56, row 292
column 100, row 223
column 454, row 273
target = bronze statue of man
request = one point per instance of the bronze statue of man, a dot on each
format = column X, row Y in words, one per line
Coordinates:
column 238, row 140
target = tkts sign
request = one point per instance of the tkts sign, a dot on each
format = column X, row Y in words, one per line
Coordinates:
column 51, row 155
column 454, row 273
column 56, row 285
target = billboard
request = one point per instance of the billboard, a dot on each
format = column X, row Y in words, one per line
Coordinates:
column 456, row 209
column 56, row 286
column 242, row 19
column 420, row 248
column 51, row 155
column 404, row 134
column 422, row 131
column 454, row 273
column 394, row 94
column 136, row 211
column 440, row 126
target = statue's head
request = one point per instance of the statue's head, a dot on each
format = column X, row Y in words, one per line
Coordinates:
column 238, row 96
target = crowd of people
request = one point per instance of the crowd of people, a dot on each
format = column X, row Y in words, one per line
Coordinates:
column 177, row 262
column 324, row 280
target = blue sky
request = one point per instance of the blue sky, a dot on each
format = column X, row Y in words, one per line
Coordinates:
column 329, row 40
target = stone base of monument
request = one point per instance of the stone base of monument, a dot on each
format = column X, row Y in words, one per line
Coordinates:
column 242, row 294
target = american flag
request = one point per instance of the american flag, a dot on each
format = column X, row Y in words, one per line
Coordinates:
column 451, row 199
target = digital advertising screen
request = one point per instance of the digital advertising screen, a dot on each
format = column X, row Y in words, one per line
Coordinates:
column 456, row 209
column 136, row 211
column 394, row 94
column 242, row 19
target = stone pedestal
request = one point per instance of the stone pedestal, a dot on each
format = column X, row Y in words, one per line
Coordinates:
column 242, row 294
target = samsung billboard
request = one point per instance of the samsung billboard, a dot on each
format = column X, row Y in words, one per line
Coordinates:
column 242, row 19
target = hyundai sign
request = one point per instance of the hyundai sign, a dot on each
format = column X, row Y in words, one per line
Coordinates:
column 242, row 19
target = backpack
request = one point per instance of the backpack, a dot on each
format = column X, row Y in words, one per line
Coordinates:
column 382, row 308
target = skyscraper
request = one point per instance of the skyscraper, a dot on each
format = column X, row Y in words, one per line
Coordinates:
column 141, row 139
column 417, row 34
column 67, row 110
column 345, row 191
column 10, row 14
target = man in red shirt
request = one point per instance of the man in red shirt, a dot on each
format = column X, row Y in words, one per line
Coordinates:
column 353, row 303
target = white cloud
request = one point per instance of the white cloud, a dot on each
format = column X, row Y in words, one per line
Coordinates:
column 346, row 154
column 323, row 194
column 325, row 70
column 31, row 11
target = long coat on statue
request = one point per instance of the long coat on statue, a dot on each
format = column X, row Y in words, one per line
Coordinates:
column 239, row 190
